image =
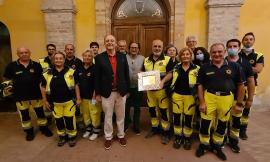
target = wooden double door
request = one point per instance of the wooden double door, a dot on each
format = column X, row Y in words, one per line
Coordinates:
column 143, row 34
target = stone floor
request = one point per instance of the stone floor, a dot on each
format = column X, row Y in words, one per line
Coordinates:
column 13, row 146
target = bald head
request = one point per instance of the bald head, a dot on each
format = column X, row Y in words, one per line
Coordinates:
column 157, row 47
column 110, row 42
column 24, row 54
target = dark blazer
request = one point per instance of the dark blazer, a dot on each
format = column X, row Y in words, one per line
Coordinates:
column 104, row 74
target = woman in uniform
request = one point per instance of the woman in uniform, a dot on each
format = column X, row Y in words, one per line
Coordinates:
column 183, row 92
column 90, row 109
column 59, row 86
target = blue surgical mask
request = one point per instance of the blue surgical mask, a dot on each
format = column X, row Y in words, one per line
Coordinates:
column 200, row 56
column 233, row 51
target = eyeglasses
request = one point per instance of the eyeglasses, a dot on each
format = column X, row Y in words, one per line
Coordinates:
column 51, row 49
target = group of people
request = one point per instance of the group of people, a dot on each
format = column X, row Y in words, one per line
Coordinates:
column 215, row 88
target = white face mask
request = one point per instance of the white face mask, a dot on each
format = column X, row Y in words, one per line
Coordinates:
column 200, row 56
column 248, row 49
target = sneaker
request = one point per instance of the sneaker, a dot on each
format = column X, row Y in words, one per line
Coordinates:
column 233, row 144
column 86, row 134
column 72, row 142
column 108, row 144
column 201, row 150
column 122, row 141
column 93, row 137
column 187, row 143
column 165, row 138
column 61, row 141
column 46, row 131
column 29, row 134
column 177, row 142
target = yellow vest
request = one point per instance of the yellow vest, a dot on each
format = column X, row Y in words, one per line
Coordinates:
column 68, row 76
column 192, row 75
column 45, row 66
column 160, row 64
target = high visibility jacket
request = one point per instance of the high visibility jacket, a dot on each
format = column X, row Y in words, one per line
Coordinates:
column 192, row 75
column 45, row 65
column 160, row 64
column 68, row 76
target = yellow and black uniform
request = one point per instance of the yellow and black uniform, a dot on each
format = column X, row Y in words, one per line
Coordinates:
column 219, row 85
column 45, row 63
column 157, row 100
column 91, row 111
column 235, row 117
column 60, row 89
column 74, row 63
column 183, row 98
column 27, row 93
column 253, row 58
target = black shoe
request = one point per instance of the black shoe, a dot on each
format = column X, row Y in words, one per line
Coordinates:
column 151, row 133
column 177, row 142
column 61, row 141
column 49, row 120
column 187, row 143
column 220, row 154
column 72, row 142
column 46, row 131
column 137, row 131
column 243, row 134
column 165, row 138
column 29, row 134
column 125, row 129
column 201, row 150
column 233, row 144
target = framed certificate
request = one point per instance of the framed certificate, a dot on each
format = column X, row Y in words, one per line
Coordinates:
column 149, row 80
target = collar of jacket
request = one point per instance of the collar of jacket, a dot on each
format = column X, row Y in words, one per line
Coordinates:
column 161, row 57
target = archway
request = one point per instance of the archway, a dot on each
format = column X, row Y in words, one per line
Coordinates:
column 5, row 58
column 5, row 49
column 141, row 21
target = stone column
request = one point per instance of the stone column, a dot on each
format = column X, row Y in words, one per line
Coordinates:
column 223, row 20
column 101, row 22
column 60, row 22
column 178, row 18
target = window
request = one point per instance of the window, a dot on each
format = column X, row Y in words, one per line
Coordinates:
column 139, row 8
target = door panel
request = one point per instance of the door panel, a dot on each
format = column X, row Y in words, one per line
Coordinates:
column 144, row 34
column 128, row 33
column 148, row 34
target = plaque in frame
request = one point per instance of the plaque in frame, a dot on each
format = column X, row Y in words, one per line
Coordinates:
column 149, row 80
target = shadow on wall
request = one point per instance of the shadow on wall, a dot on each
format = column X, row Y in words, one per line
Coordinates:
column 262, row 100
